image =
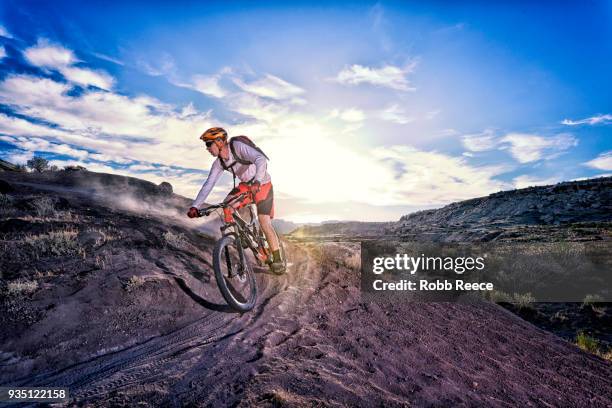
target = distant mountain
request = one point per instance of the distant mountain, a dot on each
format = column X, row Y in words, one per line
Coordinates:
column 284, row 227
column 544, row 211
column 343, row 228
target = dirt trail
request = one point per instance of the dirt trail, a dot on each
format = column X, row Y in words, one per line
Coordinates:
column 312, row 341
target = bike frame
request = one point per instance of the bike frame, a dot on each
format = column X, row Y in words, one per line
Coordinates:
column 245, row 233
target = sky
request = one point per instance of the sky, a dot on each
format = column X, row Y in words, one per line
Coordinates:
column 367, row 110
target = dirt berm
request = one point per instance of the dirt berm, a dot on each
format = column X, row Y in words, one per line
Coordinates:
column 112, row 296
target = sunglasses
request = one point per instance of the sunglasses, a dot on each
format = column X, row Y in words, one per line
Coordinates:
column 209, row 143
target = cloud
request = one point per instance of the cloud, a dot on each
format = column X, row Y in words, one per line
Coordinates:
column 394, row 113
column 107, row 58
column 19, row 157
column 480, row 142
column 88, row 77
column 529, row 181
column 601, row 162
column 208, row 85
column 257, row 108
column 426, row 178
column 4, row 32
column 431, row 114
column 140, row 128
column 593, row 120
column 270, row 86
column 109, row 158
column 388, row 76
column 42, row 145
column 526, row 148
column 2, row 52
column 46, row 55
column 20, row 127
column 348, row 115
column 142, row 167
column 380, row 27
column 165, row 65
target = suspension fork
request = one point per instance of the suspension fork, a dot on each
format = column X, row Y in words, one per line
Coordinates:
column 236, row 233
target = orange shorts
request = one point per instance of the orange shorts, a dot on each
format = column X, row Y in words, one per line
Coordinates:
column 264, row 200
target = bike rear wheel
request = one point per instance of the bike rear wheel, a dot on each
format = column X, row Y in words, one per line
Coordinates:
column 234, row 274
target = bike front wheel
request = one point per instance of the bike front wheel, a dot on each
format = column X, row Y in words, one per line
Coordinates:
column 234, row 274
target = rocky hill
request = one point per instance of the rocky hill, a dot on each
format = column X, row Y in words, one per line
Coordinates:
column 570, row 210
column 90, row 263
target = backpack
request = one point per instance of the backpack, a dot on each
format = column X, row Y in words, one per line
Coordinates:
column 247, row 141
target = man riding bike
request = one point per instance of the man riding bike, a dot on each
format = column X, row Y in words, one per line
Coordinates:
column 249, row 164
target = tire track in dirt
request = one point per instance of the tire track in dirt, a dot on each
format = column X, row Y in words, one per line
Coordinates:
column 159, row 357
column 150, row 355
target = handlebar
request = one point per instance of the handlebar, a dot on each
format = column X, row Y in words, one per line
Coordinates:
column 205, row 212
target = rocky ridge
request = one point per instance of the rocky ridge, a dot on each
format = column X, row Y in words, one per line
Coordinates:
column 574, row 210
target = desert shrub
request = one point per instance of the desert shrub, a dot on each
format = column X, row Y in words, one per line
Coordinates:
column 282, row 398
column 38, row 164
column 587, row 343
column 591, row 300
column 176, row 240
column 134, row 282
column 353, row 261
column 497, row 296
column 56, row 243
column 44, row 207
column 22, row 287
column 523, row 300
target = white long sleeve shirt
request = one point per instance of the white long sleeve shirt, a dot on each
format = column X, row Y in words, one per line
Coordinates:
column 245, row 172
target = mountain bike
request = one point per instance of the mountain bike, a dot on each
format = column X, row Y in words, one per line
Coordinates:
column 233, row 271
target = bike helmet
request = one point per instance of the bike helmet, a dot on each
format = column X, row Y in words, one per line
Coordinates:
column 214, row 133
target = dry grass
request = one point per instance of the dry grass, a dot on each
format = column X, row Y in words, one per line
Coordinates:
column 587, row 343
column 44, row 207
column 353, row 261
column 592, row 300
column 56, row 243
column 134, row 282
column 176, row 240
column 279, row 398
column 22, row 287
column 497, row 296
column 591, row 345
column 523, row 300
column 520, row 300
